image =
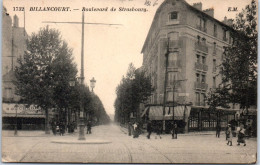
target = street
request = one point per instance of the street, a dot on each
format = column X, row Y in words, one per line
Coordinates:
column 188, row 148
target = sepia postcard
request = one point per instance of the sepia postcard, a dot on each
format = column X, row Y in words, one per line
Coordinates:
column 129, row 81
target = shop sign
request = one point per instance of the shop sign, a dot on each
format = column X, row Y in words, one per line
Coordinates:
column 23, row 109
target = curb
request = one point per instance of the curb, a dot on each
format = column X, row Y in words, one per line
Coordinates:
column 81, row 141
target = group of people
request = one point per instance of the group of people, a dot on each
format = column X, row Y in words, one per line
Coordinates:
column 158, row 129
column 240, row 131
column 60, row 127
column 133, row 129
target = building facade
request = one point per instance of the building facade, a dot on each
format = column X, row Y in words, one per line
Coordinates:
column 194, row 42
column 13, row 47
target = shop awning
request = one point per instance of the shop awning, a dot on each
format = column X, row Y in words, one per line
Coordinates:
column 180, row 112
column 145, row 111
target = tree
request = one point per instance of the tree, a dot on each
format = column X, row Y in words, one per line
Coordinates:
column 43, row 74
column 239, row 67
column 133, row 89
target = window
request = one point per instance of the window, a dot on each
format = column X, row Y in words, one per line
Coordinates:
column 197, row 98
column 203, row 60
column 203, row 41
column 214, row 82
column 215, row 30
column 214, row 48
column 173, row 59
column 8, row 93
column 202, row 98
column 214, row 65
column 225, row 34
column 197, row 77
column 169, row 96
column 171, row 76
column 198, row 39
column 198, row 58
column 203, row 79
column 173, row 16
column 202, row 24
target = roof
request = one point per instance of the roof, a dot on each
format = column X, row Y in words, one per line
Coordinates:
column 192, row 8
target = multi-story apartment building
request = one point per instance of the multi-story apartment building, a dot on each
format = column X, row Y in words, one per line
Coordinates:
column 195, row 42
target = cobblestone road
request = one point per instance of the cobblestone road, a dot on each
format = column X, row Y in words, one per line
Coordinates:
column 126, row 149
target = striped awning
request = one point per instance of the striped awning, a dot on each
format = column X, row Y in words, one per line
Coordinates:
column 180, row 112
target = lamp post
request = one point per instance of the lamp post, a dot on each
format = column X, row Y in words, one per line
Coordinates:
column 92, row 83
column 15, row 127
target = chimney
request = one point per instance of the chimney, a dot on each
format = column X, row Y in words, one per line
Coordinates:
column 209, row 11
column 198, row 6
column 16, row 21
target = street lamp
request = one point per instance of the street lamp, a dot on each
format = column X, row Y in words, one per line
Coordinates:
column 15, row 127
column 92, row 83
column 81, row 124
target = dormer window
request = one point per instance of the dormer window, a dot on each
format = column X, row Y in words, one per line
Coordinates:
column 173, row 16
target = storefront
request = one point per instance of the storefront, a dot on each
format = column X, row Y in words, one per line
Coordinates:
column 155, row 114
column 202, row 119
column 26, row 118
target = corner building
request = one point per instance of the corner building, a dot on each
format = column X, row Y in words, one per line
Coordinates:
column 195, row 42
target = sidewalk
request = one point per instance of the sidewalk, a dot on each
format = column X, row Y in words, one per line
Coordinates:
column 30, row 133
column 123, row 129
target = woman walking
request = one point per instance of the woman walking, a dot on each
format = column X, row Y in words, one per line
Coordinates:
column 229, row 135
column 241, row 136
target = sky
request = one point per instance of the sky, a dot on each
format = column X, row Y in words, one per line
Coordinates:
column 108, row 50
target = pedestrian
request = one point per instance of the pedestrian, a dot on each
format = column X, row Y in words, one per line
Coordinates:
column 89, row 127
column 241, row 135
column 135, row 125
column 129, row 128
column 229, row 135
column 218, row 129
column 226, row 131
column 149, row 129
column 53, row 127
column 62, row 128
column 158, row 130
column 174, row 131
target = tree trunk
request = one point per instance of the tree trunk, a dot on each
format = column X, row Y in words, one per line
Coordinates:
column 47, row 129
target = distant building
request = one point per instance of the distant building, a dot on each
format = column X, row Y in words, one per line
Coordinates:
column 196, row 40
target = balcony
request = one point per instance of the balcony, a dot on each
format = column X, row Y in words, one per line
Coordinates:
column 201, row 47
column 201, row 67
column 200, row 86
column 201, row 28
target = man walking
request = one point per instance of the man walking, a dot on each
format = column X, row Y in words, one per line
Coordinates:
column 218, row 129
column 89, row 127
column 174, row 131
column 149, row 129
